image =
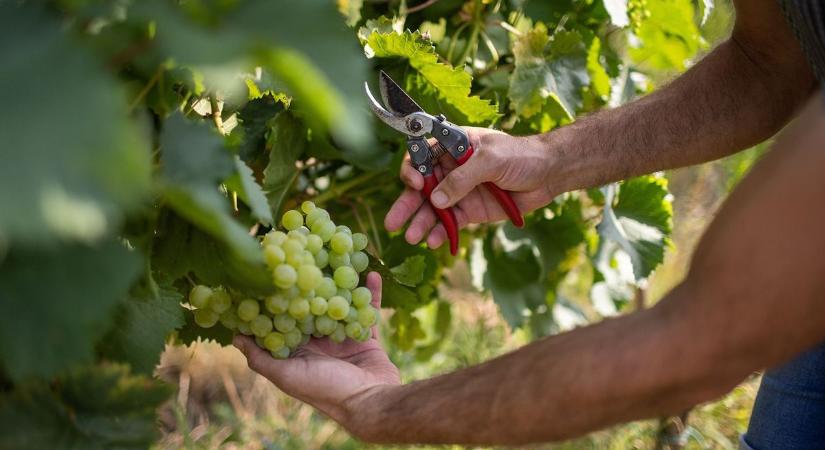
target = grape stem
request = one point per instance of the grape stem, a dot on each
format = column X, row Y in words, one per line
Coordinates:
column 149, row 85
column 341, row 188
column 216, row 114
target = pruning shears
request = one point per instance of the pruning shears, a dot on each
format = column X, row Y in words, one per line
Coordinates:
column 403, row 114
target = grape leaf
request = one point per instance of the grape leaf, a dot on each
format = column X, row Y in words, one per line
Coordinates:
column 243, row 182
column 64, row 175
column 194, row 162
column 669, row 37
column 514, row 278
column 305, row 44
column 638, row 217
column 181, row 248
column 141, row 325
column 57, row 302
column 287, row 141
column 255, row 120
column 452, row 84
column 89, row 408
column 411, row 271
column 560, row 78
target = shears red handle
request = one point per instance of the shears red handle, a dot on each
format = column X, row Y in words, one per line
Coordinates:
column 447, row 215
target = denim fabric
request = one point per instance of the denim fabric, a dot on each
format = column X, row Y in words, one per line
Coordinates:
column 789, row 412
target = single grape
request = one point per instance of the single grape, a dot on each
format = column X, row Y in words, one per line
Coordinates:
column 359, row 261
column 281, row 353
column 309, row 277
column 274, row 341
column 337, row 308
column 318, row 306
column 361, row 297
column 283, row 322
column 307, row 258
column 292, row 220
column 359, row 241
column 276, row 304
column 199, row 296
column 298, row 308
column 284, row 276
column 339, row 335
column 318, row 334
column 326, row 288
column 243, row 328
column 352, row 315
column 229, row 319
column 321, row 258
column 315, row 214
column 291, row 246
column 220, row 301
column 261, row 325
column 345, row 277
column 259, row 341
column 346, row 293
column 304, row 339
column 298, row 236
column 353, row 330
column 307, row 326
column 274, row 255
column 324, row 325
column 275, row 238
column 366, row 334
column 314, row 243
column 291, row 293
column 367, row 316
column 341, row 242
column 248, row 309
column 343, row 229
column 324, row 229
column 206, row 318
column 293, row 338
column 337, row 260
column 307, row 207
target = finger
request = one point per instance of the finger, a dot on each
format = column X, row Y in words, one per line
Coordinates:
column 438, row 235
column 404, row 207
column 459, row 182
column 411, row 177
column 374, row 283
column 420, row 225
column 261, row 361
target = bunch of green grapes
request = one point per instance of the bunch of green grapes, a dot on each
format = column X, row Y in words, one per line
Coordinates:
column 315, row 268
column 637, row 12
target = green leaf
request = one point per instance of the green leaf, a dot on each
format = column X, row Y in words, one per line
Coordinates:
column 669, row 38
column 556, row 239
column 90, row 408
column 194, row 162
column 72, row 162
column 180, row 249
column 411, row 271
column 57, row 302
column 560, row 78
column 514, row 277
column 452, row 84
column 599, row 80
column 250, row 192
column 141, row 325
column 287, row 141
column 638, row 218
column 255, row 118
column 394, row 294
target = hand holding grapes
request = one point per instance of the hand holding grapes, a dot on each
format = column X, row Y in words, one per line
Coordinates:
column 326, row 374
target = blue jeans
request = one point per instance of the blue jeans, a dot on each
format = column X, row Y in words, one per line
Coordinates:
column 789, row 412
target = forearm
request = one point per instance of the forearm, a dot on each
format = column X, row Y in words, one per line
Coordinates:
column 729, row 101
column 552, row 389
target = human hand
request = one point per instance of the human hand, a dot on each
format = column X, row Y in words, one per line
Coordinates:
column 328, row 376
column 515, row 164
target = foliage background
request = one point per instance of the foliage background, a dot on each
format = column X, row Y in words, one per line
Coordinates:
column 147, row 143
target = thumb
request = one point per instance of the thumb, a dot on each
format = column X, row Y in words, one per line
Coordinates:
column 459, row 182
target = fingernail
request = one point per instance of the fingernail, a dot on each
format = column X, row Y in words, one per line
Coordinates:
column 438, row 199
